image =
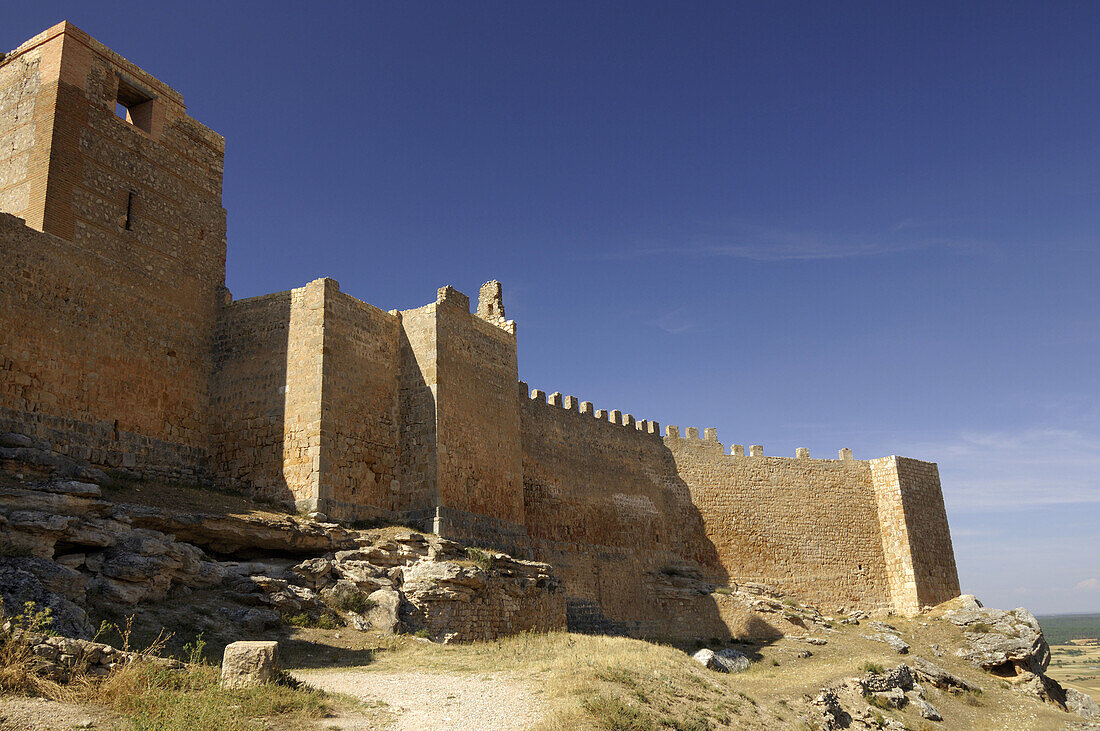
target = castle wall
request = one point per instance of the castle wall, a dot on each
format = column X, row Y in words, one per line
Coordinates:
column 359, row 412
column 94, row 363
column 916, row 539
column 417, row 493
column 249, row 396
column 121, row 347
column 808, row 526
column 139, row 257
column 480, row 482
column 605, row 506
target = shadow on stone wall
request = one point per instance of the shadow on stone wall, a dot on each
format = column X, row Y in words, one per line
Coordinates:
column 249, row 396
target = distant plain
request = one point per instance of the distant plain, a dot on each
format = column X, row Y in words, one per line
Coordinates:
column 1074, row 665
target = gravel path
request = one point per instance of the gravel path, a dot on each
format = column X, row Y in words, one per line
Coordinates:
column 489, row 701
column 39, row 714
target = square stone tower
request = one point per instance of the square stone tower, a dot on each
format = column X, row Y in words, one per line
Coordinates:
column 121, row 294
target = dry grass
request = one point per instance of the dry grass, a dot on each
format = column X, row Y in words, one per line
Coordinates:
column 191, row 499
column 595, row 682
column 152, row 696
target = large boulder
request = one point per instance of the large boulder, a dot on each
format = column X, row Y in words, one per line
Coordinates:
column 384, row 610
column 1081, row 704
column 250, row 663
column 726, row 660
column 1006, row 643
column 19, row 585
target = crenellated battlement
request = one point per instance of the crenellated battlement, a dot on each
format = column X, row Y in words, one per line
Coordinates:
column 585, row 408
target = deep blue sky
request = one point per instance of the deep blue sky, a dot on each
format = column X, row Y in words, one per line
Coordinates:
column 867, row 225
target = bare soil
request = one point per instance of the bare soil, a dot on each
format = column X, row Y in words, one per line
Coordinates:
column 40, row 714
column 426, row 700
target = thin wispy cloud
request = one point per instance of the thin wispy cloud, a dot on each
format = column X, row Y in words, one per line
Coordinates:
column 1008, row 470
column 770, row 244
column 1087, row 585
column 677, row 321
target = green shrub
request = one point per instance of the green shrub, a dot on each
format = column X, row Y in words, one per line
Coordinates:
column 353, row 602
column 610, row 712
column 324, row 621
column 871, row 667
column 480, row 558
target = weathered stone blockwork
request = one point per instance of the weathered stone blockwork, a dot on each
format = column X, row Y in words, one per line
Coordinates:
column 809, row 526
column 116, row 314
column 120, row 347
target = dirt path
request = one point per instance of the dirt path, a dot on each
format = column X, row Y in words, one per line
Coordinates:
column 39, row 714
column 422, row 700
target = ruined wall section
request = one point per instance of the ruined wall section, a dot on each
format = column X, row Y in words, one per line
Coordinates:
column 141, row 206
column 808, row 526
column 360, row 408
column 480, row 470
column 916, row 539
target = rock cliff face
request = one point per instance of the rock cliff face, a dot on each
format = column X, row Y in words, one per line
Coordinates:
column 68, row 548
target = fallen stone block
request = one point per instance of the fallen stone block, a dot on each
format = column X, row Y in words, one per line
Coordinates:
column 246, row 664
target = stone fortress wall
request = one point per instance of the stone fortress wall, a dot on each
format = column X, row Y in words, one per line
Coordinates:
column 108, row 318
column 121, row 347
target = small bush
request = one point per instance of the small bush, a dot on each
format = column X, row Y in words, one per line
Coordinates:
column 874, row 700
column 18, row 664
column 871, row 667
column 775, row 663
column 424, row 633
column 297, row 620
column 610, row 712
column 353, row 602
column 303, row 620
column 480, row 558
column 196, row 651
column 980, row 627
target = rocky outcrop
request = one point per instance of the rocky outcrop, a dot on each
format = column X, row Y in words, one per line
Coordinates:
column 846, row 705
column 1081, row 704
column 59, row 657
column 67, row 547
column 1006, row 643
column 1010, row 644
column 241, row 535
column 20, row 584
column 936, row 676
